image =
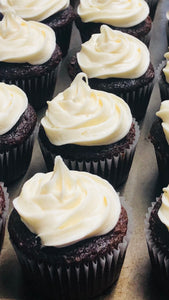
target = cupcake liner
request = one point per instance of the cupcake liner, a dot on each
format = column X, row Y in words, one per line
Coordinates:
column 63, row 35
column 38, row 89
column 15, row 162
column 137, row 99
column 4, row 215
column 163, row 85
column 153, row 5
column 114, row 169
column 75, row 281
column 159, row 261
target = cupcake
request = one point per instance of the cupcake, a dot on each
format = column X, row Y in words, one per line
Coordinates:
column 157, row 226
column 4, row 205
column 29, row 57
column 163, row 77
column 17, row 130
column 70, row 233
column 153, row 6
column 92, row 131
column 131, row 17
column 117, row 63
column 58, row 14
column 159, row 135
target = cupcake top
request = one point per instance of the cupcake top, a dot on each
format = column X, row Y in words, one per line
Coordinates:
column 166, row 69
column 163, row 114
column 25, row 41
column 120, row 13
column 112, row 53
column 83, row 116
column 13, row 103
column 63, row 207
column 163, row 212
column 36, row 10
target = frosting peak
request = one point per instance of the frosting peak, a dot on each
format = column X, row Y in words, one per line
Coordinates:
column 84, row 116
column 13, row 103
column 119, row 13
column 34, row 9
column 112, row 53
column 63, row 207
column 25, row 42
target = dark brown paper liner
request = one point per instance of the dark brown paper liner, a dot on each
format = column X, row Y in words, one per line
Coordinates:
column 163, row 85
column 159, row 261
column 63, row 35
column 114, row 169
column 77, row 281
column 15, row 162
column 4, row 215
column 153, row 5
column 38, row 89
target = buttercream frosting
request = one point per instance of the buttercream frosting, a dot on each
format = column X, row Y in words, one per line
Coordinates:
column 36, row 10
column 25, row 41
column 166, row 69
column 13, row 103
column 163, row 114
column 163, row 212
column 120, row 13
column 63, row 207
column 84, row 116
column 112, row 53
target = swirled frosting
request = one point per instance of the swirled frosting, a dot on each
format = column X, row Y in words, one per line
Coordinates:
column 63, row 207
column 36, row 10
column 112, row 53
column 163, row 114
column 25, row 42
column 83, row 116
column 163, row 212
column 13, row 103
column 166, row 69
column 121, row 13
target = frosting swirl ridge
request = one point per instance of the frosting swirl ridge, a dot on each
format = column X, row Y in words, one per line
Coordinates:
column 63, row 207
column 34, row 9
column 163, row 114
column 25, row 41
column 112, row 53
column 163, row 212
column 13, row 103
column 83, row 116
column 120, row 13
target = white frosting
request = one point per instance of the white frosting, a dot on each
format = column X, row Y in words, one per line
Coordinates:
column 112, row 53
column 83, row 116
column 166, row 69
column 163, row 114
column 121, row 13
column 163, row 212
column 36, row 10
column 167, row 15
column 13, row 103
column 25, row 42
column 63, row 207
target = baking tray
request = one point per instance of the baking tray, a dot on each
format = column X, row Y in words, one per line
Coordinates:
column 135, row 281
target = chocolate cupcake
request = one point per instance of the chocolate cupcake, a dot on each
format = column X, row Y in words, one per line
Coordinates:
column 70, row 233
column 159, row 135
column 4, row 205
column 153, row 6
column 29, row 58
column 117, row 63
column 92, row 131
column 157, row 225
column 131, row 17
column 163, row 78
column 58, row 14
column 17, row 130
